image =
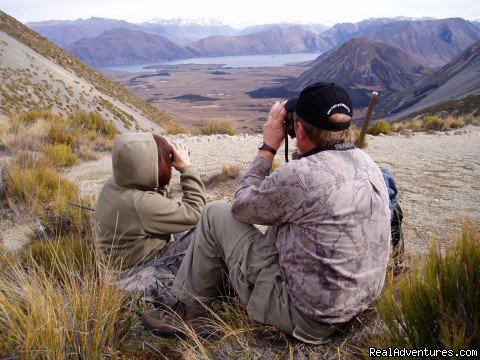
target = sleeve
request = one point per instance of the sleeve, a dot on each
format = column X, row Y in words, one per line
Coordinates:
column 268, row 199
column 160, row 215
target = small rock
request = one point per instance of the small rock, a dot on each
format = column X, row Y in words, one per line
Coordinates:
column 432, row 132
column 381, row 134
column 409, row 135
column 458, row 132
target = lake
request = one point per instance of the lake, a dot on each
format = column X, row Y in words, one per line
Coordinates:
column 227, row 61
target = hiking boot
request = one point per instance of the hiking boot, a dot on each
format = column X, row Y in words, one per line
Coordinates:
column 175, row 322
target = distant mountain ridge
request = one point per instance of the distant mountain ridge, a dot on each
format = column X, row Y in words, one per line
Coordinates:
column 126, row 46
column 341, row 33
column 184, row 31
column 273, row 41
column 315, row 28
column 65, row 32
column 434, row 42
column 181, row 31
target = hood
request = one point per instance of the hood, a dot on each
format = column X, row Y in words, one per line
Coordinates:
column 135, row 161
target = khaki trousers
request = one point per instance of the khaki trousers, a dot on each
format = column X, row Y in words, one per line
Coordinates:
column 222, row 244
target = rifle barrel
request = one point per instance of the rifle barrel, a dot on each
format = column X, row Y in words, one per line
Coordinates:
column 371, row 105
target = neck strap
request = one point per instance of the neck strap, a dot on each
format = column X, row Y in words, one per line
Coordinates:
column 341, row 146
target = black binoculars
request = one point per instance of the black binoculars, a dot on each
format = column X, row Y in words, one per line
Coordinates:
column 289, row 127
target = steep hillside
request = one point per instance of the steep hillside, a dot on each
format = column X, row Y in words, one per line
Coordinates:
column 57, row 65
column 67, row 32
column 457, row 79
column 126, row 46
column 274, row 41
column 434, row 42
column 363, row 65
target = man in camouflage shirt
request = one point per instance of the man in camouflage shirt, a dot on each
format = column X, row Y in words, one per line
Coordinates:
column 324, row 257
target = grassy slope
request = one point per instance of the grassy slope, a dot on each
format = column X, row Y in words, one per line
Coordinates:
column 64, row 59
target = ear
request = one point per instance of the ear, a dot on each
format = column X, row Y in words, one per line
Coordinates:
column 300, row 131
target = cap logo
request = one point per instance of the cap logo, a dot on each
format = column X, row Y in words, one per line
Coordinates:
column 336, row 106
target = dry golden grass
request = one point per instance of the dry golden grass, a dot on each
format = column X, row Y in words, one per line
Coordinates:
column 228, row 172
column 178, row 128
column 35, row 185
column 61, row 154
column 379, row 127
column 218, row 127
column 434, row 122
column 62, row 138
column 57, row 306
column 436, row 305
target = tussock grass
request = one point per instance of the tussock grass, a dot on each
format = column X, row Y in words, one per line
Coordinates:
column 229, row 333
column 93, row 124
column 228, row 172
column 71, row 312
column 456, row 124
column 37, row 130
column 435, row 122
column 42, row 192
column 379, row 127
column 61, row 154
column 437, row 304
column 218, row 127
column 178, row 128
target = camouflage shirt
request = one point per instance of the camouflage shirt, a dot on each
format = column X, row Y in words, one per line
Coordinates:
column 333, row 235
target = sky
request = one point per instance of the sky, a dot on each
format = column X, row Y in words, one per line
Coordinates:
column 240, row 12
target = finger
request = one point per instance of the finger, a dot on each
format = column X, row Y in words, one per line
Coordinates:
column 273, row 107
column 277, row 110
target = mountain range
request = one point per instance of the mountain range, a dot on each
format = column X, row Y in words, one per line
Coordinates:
column 400, row 58
column 434, row 42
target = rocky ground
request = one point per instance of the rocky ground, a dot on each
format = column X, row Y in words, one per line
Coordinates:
column 438, row 175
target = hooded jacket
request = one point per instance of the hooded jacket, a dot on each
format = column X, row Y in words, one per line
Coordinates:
column 134, row 219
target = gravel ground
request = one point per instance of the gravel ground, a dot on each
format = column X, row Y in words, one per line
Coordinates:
column 438, row 175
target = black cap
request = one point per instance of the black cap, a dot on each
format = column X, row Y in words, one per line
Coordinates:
column 319, row 101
